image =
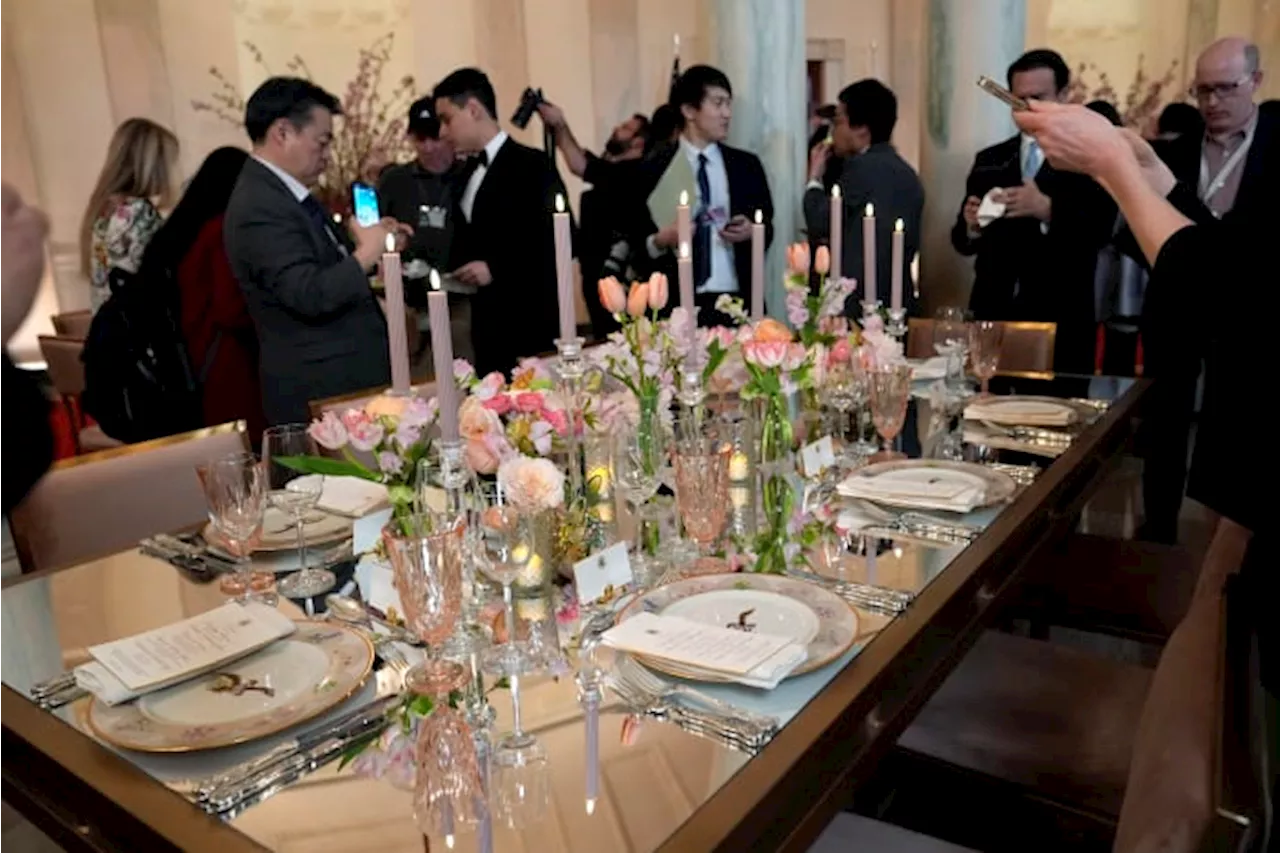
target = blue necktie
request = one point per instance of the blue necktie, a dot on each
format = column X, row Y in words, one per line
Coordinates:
column 1034, row 158
column 702, row 227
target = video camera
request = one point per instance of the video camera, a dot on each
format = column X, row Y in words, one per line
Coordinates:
column 528, row 106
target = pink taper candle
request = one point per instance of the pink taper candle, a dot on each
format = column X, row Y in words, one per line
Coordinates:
column 895, row 293
column 837, row 232
column 684, row 227
column 442, row 357
column 397, row 335
column 684, row 275
column 869, row 253
column 564, row 272
column 757, row 266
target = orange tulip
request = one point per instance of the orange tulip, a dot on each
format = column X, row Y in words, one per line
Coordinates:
column 658, row 291
column 822, row 260
column 638, row 299
column 770, row 330
column 612, row 297
column 798, row 258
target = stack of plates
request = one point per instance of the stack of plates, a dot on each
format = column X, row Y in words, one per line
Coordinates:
column 935, row 484
column 1027, row 411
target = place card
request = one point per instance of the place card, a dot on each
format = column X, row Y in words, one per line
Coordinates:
column 692, row 643
column 817, row 456
column 608, row 568
column 154, row 658
column 366, row 533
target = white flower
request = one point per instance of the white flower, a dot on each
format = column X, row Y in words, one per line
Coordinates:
column 532, row 485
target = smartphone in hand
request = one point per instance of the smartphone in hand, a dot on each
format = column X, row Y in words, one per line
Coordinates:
column 991, row 87
column 364, row 201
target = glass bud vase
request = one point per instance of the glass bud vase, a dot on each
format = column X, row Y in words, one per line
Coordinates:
column 775, row 432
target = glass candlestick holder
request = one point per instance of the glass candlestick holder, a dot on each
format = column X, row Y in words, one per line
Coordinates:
column 870, row 307
column 897, row 325
column 571, row 370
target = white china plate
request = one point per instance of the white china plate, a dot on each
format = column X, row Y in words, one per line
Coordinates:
column 1013, row 409
column 290, row 681
column 935, row 478
column 750, row 609
column 837, row 624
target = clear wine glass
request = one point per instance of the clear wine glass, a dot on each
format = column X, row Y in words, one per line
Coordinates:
column 890, row 391
column 503, row 547
column 235, row 490
column 638, row 468
column 519, row 782
column 295, row 493
column 985, row 341
column 842, row 390
column 951, row 339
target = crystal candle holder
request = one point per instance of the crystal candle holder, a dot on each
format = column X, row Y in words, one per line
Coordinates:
column 897, row 325
column 571, row 370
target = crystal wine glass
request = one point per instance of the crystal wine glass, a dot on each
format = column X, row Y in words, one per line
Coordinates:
column 448, row 788
column 951, row 339
column 985, row 341
column 503, row 547
column 890, row 390
column 519, row 782
column 842, row 390
column 638, row 462
column 702, row 486
column 295, row 493
column 426, row 558
column 235, row 490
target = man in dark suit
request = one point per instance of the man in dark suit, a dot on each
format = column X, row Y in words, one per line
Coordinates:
column 1036, row 261
column 505, row 246
column 730, row 187
column 320, row 331
column 873, row 173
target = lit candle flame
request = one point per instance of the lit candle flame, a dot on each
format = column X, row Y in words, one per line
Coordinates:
column 898, row 225
column 684, row 250
column 871, row 210
column 759, row 217
column 391, row 242
column 449, row 841
column 897, row 551
column 434, row 279
column 337, row 217
column 591, row 805
column 684, row 198
column 675, row 39
column 559, row 203
column 835, row 191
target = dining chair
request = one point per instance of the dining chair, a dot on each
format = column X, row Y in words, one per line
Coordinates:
column 73, row 324
column 100, row 503
column 66, row 371
column 1027, row 348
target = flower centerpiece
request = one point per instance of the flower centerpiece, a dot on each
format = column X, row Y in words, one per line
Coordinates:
column 643, row 355
column 500, row 420
column 819, row 316
column 777, row 367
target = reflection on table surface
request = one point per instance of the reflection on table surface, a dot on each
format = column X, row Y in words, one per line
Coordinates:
column 648, row 786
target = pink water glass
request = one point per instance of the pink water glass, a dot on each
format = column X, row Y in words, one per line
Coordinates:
column 890, row 391
column 426, row 559
column 702, row 486
column 448, row 790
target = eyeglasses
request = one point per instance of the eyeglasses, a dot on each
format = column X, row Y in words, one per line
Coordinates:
column 1202, row 91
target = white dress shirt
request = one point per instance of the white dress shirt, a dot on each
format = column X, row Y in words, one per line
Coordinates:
column 477, row 177
column 724, row 273
column 295, row 186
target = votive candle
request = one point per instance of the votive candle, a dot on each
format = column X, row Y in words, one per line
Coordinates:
column 564, row 271
column 442, row 358
column 397, row 334
column 757, row 266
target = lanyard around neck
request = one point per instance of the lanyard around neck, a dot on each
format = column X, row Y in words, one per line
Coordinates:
column 1211, row 185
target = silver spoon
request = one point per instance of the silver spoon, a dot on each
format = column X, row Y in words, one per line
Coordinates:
column 347, row 609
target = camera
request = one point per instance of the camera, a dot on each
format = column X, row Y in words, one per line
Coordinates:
column 528, row 106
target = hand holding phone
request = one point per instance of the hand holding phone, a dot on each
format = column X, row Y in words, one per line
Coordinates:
column 991, row 87
column 364, row 201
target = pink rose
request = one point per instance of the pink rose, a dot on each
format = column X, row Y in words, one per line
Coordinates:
column 481, row 457
column 475, row 421
column 798, row 258
column 638, row 299
column 500, row 404
column 528, row 402
column 558, row 419
column 822, row 260
column 657, row 291
column 329, row 432
column 612, row 296
column 365, row 436
column 767, row 354
column 840, row 353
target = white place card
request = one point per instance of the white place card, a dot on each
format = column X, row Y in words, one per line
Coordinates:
column 610, row 567
column 695, row 644
column 817, row 456
column 144, row 661
column 367, row 531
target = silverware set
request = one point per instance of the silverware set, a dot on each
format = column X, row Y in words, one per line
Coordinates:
column 1031, row 435
column 918, row 524
column 55, row 692
column 878, row 599
column 1023, row 475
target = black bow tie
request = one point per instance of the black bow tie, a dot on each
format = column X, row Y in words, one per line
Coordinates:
column 481, row 159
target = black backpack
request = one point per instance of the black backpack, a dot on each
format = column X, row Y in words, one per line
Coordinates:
column 138, row 379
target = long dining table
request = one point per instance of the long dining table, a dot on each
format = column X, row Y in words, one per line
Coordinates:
column 660, row 787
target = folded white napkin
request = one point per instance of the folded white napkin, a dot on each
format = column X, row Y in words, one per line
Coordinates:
column 756, row 660
column 990, row 210
column 99, row 679
column 918, row 492
column 350, row 496
column 934, row 367
column 1015, row 412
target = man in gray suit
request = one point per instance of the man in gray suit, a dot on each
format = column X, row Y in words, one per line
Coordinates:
column 873, row 173
column 320, row 330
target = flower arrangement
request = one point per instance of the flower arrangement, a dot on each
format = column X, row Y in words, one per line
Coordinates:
column 644, row 354
column 500, row 420
column 818, row 316
column 371, row 128
column 1143, row 101
column 532, row 485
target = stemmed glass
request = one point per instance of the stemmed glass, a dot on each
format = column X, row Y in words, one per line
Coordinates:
column 890, row 390
column 295, row 493
column 950, row 339
column 985, row 341
column 235, row 490
column 638, row 461
column 426, row 559
column 702, row 485
column 519, row 782
column 448, row 788
column 843, row 389
column 503, row 546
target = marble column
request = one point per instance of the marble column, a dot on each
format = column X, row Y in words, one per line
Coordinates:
column 966, row 38
column 760, row 45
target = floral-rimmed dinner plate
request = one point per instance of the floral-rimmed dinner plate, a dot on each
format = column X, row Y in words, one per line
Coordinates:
column 996, row 486
column 725, row 597
column 292, row 680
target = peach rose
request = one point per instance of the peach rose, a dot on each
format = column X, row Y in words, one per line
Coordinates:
column 480, row 456
column 612, row 296
column 532, row 485
column 822, row 260
column 658, row 291
column 638, row 299
column 798, row 258
column 475, row 421
column 770, row 330
column 388, row 405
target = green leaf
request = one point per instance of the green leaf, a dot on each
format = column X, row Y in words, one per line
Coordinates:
column 420, row 706
column 327, row 467
column 356, row 747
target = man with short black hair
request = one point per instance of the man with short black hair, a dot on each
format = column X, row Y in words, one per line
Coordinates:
column 320, row 330
column 873, row 173
column 730, row 186
column 505, row 247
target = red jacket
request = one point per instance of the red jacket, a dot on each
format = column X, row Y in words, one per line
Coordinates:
column 211, row 303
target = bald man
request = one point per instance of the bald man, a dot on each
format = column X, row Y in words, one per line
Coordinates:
column 1231, row 173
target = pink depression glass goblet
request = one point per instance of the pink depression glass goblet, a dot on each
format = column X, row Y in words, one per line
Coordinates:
column 702, row 486
column 448, row 790
column 426, row 558
column 890, row 391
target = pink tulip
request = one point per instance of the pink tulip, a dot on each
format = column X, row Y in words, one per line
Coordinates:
column 329, row 432
column 638, row 299
column 658, row 291
column 822, row 260
column 612, row 297
column 767, row 354
column 798, row 258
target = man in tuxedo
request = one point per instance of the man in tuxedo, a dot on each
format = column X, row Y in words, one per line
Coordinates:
column 873, row 173
column 505, row 246
column 730, row 187
column 320, row 331
column 1036, row 260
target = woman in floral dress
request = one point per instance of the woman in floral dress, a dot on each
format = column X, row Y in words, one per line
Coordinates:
column 122, row 213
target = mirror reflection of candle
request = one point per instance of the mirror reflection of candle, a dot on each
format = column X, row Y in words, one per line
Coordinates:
column 738, row 466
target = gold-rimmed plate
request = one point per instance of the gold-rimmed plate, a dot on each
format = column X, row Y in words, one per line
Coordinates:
column 704, row 599
column 291, row 681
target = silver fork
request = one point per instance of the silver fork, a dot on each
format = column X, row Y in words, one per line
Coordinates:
column 649, row 682
column 731, row 732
